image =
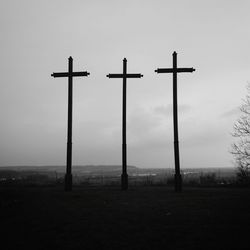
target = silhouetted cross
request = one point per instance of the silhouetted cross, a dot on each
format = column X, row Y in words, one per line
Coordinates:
column 175, row 70
column 124, row 76
column 70, row 74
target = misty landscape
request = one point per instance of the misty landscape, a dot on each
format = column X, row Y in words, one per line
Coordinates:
column 212, row 212
column 125, row 125
column 110, row 176
column 146, row 216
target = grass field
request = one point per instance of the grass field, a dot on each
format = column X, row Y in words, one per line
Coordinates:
column 140, row 218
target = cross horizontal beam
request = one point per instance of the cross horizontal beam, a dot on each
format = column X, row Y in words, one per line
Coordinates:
column 124, row 75
column 172, row 70
column 67, row 74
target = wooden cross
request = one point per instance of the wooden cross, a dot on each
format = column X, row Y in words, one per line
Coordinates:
column 70, row 74
column 124, row 76
column 175, row 70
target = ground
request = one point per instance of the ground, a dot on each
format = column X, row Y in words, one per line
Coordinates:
column 140, row 218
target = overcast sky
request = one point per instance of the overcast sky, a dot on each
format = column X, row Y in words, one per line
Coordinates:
column 37, row 37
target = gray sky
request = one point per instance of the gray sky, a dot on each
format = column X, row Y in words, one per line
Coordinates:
column 37, row 37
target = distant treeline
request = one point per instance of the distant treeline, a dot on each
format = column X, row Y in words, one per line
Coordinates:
column 110, row 175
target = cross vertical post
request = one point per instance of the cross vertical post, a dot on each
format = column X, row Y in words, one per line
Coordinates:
column 124, row 76
column 175, row 70
column 178, row 177
column 68, row 175
column 70, row 74
column 124, row 176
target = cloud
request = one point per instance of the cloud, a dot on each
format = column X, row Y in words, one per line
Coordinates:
column 168, row 110
column 230, row 113
column 205, row 137
column 142, row 119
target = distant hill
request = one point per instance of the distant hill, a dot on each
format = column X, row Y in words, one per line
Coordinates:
column 77, row 168
column 101, row 174
column 112, row 170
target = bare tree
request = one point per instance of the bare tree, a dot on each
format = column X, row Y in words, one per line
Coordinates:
column 241, row 148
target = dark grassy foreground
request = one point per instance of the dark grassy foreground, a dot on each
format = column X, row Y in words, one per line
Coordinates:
column 141, row 218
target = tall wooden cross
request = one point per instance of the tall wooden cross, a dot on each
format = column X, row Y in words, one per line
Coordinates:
column 175, row 70
column 124, row 76
column 70, row 74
